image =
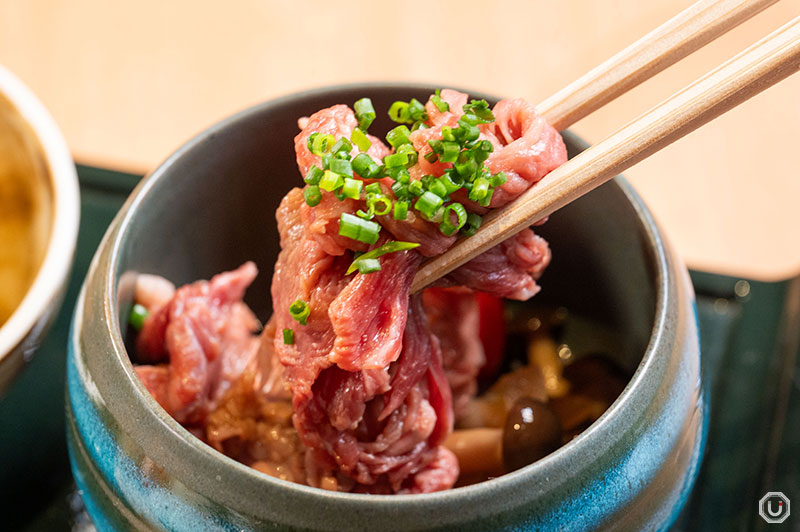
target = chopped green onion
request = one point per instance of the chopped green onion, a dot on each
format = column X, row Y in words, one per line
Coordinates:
column 322, row 144
column 369, row 215
column 416, row 111
column 360, row 139
column 467, row 132
column 399, row 174
column 288, row 336
column 480, row 188
column 416, row 188
column 409, row 150
column 379, row 204
column 428, row 203
column 431, row 157
column 358, row 229
column 373, row 188
column 342, row 167
column 365, row 113
column 400, row 210
column 388, row 247
column 419, row 124
column 342, row 148
column 479, row 109
column 367, row 265
column 326, row 161
column 300, row 311
column 396, row 159
column 314, row 175
column 398, row 136
column 449, row 152
column 312, row 195
column 440, row 104
column 436, row 146
column 449, row 184
column 447, row 134
column 331, row 181
column 310, row 141
column 138, row 314
column 398, row 112
column 467, row 168
column 352, row 188
column 447, row 227
column 438, row 188
column 472, row 225
column 364, row 166
column 498, row 179
column 400, row 190
column 486, row 199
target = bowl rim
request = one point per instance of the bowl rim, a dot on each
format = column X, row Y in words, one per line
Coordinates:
column 107, row 263
column 60, row 250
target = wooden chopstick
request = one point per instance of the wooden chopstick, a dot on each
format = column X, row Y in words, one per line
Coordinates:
column 693, row 28
column 762, row 65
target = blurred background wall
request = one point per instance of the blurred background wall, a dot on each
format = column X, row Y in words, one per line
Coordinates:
column 130, row 81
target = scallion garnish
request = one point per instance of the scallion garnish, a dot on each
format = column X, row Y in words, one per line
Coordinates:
column 138, row 314
column 368, row 265
column 379, row 204
column 398, row 136
column 388, row 247
column 410, row 152
column 416, row 110
column 360, row 139
column 342, row 148
column 331, row 181
column 416, row 188
column 450, row 151
column 479, row 109
column 342, row 167
column 300, row 311
column 312, row 195
column 472, row 225
column 499, row 179
column 352, row 188
column 314, row 175
column 365, row 113
column 321, row 143
column 395, row 159
column 447, row 227
column 288, row 336
column 364, row 166
column 400, row 210
column 358, row 229
column 440, row 104
column 398, row 112
column 428, row 203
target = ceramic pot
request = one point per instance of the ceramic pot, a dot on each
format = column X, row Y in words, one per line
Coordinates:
column 210, row 207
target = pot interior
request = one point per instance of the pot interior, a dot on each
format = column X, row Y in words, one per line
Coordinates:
column 25, row 208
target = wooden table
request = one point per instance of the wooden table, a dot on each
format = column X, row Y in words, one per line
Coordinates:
column 129, row 82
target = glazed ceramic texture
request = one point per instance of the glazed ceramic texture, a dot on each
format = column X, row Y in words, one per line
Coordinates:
column 211, row 206
column 34, row 150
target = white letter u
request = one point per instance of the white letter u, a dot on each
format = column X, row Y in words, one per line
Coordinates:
column 769, row 508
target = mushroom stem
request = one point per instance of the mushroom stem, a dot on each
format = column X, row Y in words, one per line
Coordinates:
column 478, row 450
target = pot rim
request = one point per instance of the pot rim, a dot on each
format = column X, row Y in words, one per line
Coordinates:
column 63, row 182
column 104, row 277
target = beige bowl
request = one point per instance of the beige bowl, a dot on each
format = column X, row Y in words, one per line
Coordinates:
column 39, row 215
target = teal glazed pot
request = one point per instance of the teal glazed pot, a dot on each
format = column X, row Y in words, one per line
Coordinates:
column 210, row 207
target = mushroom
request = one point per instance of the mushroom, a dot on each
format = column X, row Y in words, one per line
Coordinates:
column 532, row 431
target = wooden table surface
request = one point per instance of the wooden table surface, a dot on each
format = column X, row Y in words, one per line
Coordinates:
column 129, row 82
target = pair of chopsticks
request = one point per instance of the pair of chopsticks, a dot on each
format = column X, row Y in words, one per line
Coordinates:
column 762, row 65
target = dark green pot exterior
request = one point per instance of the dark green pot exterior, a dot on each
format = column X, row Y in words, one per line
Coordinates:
column 211, row 206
